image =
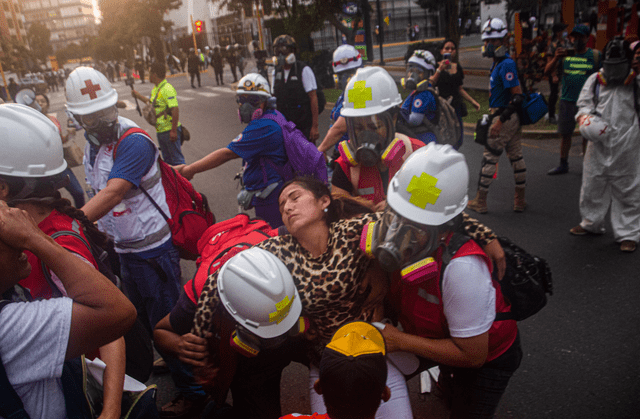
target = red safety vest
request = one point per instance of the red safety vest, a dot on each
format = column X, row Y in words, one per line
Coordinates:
column 36, row 281
column 422, row 312
column 368, row 184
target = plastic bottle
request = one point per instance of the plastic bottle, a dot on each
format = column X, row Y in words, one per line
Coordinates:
column 485, row 119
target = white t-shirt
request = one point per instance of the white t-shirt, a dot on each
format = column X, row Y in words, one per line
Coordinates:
column 308, row 78
column 468, row 296
column 33, row 344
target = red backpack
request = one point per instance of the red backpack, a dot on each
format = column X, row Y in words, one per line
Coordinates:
column 189, row 214
column 221, row 242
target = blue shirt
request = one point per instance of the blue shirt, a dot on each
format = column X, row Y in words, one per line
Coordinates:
column 135, row 156
column 335, row 114
column 421, row 102
column 424, row 103
column 504, row 76
column 260, row 142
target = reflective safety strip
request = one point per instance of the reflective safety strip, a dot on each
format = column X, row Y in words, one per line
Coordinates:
column 147, row 184
column 250, row 351
column 422, row 293
column 150, row 239
column 366, row 191
column 367, row 238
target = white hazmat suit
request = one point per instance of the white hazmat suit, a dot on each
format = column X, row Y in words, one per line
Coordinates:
column 611, row 168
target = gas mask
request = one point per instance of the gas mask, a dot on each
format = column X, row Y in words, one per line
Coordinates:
column 249, row 344
column 491, row 51
column 400, row 243
column 369, row 137
column 284, row 56
column 417, row 78
column 249, row 108
column 342, row 79
column 101, row 126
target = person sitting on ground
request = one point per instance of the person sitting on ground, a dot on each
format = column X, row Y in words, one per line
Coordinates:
column 261, row 140
column 33, row 140
column 449, row 79
column 353, row 374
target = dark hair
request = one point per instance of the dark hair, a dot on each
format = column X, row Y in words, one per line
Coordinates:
column 46, row 98
column 48, row 188
column 159, row 69
column 340, row 206
column 351, row 392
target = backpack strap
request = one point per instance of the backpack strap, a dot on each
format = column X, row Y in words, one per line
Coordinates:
column 136, row 130
column 11, row 406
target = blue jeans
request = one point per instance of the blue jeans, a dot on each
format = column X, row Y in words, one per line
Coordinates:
column 171, row 150
column 154, row 296
column 74, row 188
column 476, row 392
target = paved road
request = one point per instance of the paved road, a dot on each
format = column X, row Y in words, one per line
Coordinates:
column 580, row 352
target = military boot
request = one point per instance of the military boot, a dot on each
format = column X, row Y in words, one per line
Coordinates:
column 479, row 203
column 518, row 201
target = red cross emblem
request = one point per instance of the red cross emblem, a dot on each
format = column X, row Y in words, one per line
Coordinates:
column 602, row 132
column 90, row 90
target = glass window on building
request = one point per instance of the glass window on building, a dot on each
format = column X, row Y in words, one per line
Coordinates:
column 16, row 8
column 20, row 25
column 5, row 6
column 10, row 23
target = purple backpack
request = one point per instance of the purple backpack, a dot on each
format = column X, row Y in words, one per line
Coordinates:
column 304, row 159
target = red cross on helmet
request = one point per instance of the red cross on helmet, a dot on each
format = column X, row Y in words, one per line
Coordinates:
column 89, row 91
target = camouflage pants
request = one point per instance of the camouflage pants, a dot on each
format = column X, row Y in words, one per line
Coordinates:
column 509, row 139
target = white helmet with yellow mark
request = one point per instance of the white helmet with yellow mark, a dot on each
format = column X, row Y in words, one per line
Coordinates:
column 370, row 91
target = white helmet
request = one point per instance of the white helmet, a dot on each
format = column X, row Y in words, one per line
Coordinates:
column 258, row 291
column 424, row 59
column 494, row 28
column 253, row 84
column 431, row 187
column 89, row 91
column 370, row 91
column 346, row 57
column 30, row 142
column 595, row 129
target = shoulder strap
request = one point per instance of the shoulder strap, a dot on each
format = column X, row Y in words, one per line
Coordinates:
column 136, row 130
column 45, row 269
column 11, row 406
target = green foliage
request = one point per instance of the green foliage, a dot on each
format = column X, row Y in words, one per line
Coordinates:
column 38, row 36
column 449, row 8
column 13, row 55
column 125, row 22
column 299, row 17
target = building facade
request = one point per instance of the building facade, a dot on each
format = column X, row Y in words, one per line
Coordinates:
column 12, row 24
column 68, row 20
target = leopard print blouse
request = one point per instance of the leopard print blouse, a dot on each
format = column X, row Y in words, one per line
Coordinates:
column 328, row 285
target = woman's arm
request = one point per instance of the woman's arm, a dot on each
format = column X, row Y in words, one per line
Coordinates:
column 114, row 355
column 337, row 130
column 468, row 98
column 211, row 161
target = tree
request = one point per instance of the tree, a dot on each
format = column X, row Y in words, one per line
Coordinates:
column 301, row 17
column 38, row 36
column 13, row 56
column 449, row 8
column 125, row 22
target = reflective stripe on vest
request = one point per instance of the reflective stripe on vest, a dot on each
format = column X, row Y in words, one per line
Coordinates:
column 135, row 224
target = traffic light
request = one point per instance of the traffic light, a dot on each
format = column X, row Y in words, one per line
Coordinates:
column 199, row 26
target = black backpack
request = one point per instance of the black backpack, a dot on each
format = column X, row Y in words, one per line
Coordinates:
column 526, row 282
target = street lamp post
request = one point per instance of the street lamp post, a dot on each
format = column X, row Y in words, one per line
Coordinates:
column 380, row 32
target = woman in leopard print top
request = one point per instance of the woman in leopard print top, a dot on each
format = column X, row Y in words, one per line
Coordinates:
column 324, row 258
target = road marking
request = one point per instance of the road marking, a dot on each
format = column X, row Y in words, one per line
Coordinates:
column 207, row 94
column 220, row 89
column 184, row 99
